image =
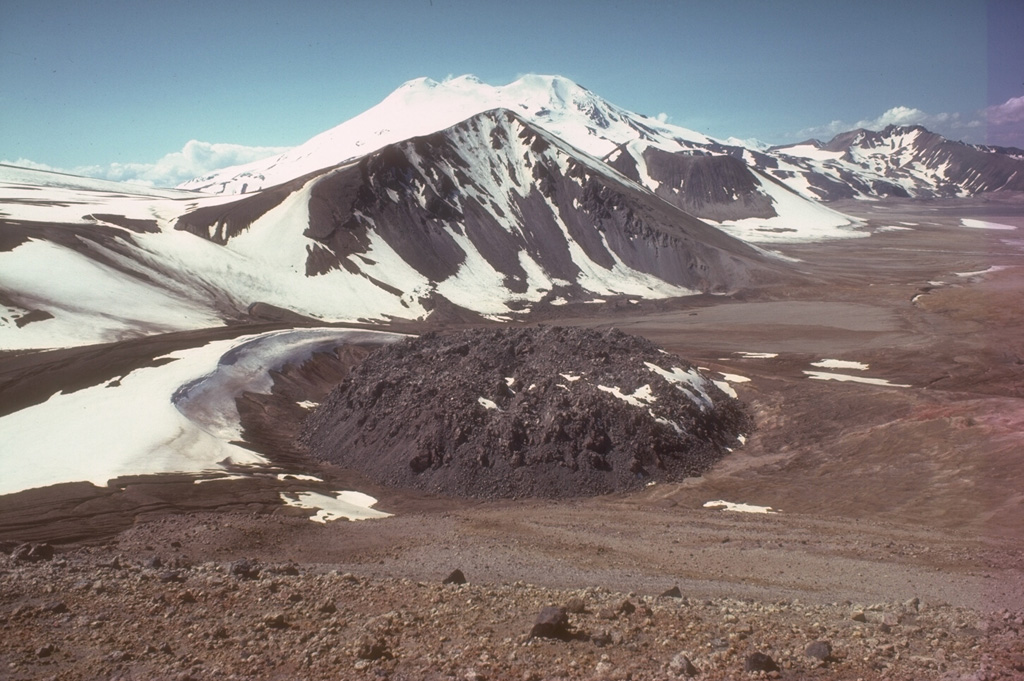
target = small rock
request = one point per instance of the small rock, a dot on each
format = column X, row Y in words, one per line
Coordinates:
column 859, row 616
column 46, row 650
column 681, row 664
column 244, row 569
column 57, row 608
column 327, row 607
column 820, row 650
column 32, row 553
column 759, row 662
column 275, row 621
column 171, row 576
column 154, row 562
column 576, row 606
column 372, row 649
column 187, row 597
column 626, row 608
column 551, row 622
column 456, row 577
column 288, row 570
column 601, row 639
column 674, row 592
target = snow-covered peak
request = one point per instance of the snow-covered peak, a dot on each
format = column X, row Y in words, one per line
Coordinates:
column 423, row 106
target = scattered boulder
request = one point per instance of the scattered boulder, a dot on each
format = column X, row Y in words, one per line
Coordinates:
column 674, row 592
column 626, row 608
column 275, row 621
column 551, row 622
column 681, row 665
column 328, row 607
column 819, row 650
column 244, row 569
column 575, row 606
column 759, row 662
column 455, row 577
column 172, row 576
column 372, row 648
column 32, row 553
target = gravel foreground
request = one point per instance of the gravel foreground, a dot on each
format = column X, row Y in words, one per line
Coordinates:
column 91, row 613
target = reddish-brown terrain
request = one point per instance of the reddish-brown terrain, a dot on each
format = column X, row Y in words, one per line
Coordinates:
column 898, row 536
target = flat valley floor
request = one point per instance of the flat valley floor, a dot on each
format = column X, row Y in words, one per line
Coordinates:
column 895, row 470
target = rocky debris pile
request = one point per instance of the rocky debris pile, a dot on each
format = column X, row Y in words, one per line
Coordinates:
column 512, row 412
column 84, row 615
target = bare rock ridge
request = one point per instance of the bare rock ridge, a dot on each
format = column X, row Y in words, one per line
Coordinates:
column 547, row 411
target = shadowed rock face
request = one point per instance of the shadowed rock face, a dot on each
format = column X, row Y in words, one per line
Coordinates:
column 719, row 187
column 524, row 412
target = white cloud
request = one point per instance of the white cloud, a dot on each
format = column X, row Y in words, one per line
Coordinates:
column 1009, row 112
column 1006, row 123
column 194, row 160
column 662, row 117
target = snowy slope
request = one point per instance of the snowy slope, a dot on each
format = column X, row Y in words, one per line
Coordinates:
column 423, row 106
column 179, row 417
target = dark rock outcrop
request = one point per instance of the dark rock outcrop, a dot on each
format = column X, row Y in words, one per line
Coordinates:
column 553, row 412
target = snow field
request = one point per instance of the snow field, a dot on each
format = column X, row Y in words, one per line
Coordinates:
column 133, row 426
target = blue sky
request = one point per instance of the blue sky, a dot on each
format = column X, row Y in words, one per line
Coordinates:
column 110, row 88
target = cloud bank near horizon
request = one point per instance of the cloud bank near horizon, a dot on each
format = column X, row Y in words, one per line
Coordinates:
column 195, row 159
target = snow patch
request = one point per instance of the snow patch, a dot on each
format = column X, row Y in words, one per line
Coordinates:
column 840, row 364
column 640, row 397
column 343, row 505
column 739, row 508
column 846, row 378
column 984, row 224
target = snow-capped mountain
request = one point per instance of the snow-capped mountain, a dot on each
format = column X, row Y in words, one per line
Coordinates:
column 903, row 161
column 494, row 215
column 755, row 208
column 423, row 106
column 446, row 196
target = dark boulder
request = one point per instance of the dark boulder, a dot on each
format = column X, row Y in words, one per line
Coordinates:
column 759, row 662
column 552, row 622
column 455, row 577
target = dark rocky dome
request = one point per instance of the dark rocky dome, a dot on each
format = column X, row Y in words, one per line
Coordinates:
column 547, row 411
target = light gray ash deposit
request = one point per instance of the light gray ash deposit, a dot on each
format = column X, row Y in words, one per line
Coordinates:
column 549, row 412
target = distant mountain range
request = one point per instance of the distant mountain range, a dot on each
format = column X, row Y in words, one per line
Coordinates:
column 446, row 197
